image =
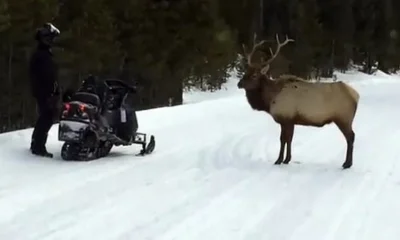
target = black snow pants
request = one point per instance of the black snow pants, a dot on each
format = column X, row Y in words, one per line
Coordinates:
column 46, row 110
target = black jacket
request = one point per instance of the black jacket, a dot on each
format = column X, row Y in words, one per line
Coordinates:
column 43, row 73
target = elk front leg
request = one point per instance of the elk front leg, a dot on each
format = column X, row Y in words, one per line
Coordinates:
column 289, row 137
column 283, row 143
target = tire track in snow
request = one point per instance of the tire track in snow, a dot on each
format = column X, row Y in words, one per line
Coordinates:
column 298, row 203
column 364, row 192
column 176, row 210
column 348, row 203
column 80, row 189
column 240, row 151
column 229, row 211
column 143, row 195
column 356, row 215
column 236, row 211
column 380, row 209
column 40, row 195
column 144, row 209
column 234, row 147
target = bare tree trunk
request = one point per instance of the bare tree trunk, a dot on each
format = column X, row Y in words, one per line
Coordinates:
column 10, row 57
column 8, row 127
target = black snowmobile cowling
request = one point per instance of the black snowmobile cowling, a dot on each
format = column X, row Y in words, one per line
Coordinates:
column 98, row 117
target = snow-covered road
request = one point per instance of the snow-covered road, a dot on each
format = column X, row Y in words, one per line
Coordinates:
column 212, row 177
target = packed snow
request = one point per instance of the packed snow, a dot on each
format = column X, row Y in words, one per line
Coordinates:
column 212, row 176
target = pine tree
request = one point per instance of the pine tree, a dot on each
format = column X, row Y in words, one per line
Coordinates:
column 4, row 17
column 88, row 42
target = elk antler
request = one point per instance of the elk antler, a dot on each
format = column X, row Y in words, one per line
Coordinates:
column 265, row 69
column 248, row 56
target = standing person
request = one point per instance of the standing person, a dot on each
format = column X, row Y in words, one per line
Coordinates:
column 44, row 85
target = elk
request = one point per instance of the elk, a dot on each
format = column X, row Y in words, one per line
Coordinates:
column 291, row 100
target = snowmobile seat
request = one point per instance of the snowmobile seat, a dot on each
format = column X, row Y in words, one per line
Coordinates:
column 89, row 98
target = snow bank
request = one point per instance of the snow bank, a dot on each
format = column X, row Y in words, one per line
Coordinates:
column 229, row 89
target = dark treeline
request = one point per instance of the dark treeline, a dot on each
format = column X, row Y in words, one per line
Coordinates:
column 166, row 46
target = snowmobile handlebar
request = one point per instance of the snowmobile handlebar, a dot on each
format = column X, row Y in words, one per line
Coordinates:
column 118, row 84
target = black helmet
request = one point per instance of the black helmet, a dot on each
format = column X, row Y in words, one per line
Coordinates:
column 46, row 34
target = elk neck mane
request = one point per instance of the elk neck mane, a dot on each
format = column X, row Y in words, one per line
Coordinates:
column 261, row 97
column 254, row 97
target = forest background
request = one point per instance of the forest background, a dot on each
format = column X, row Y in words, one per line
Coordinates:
column 167, row 46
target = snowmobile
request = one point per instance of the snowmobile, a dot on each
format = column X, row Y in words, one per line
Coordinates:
column 97, row 117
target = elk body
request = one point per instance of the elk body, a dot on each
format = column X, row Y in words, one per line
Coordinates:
column 292, row 101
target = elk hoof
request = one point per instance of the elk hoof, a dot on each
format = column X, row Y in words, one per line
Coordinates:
column 347, row 165
column 286, row 161
column 278, row 162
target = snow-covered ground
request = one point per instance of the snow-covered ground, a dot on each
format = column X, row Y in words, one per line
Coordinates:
column 212, row 177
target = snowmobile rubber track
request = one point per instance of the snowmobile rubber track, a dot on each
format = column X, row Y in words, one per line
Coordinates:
column 76, row 152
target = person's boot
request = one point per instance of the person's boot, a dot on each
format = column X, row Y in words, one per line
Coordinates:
column 39, row 149
column 41, row 152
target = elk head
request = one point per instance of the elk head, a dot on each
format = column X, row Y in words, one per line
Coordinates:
column 256, row 71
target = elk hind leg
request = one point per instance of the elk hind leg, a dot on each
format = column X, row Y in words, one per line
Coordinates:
column 289, row 137
column 283, row 144
column 349, row 134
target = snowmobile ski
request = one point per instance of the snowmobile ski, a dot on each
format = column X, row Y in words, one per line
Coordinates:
column 149, row 148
